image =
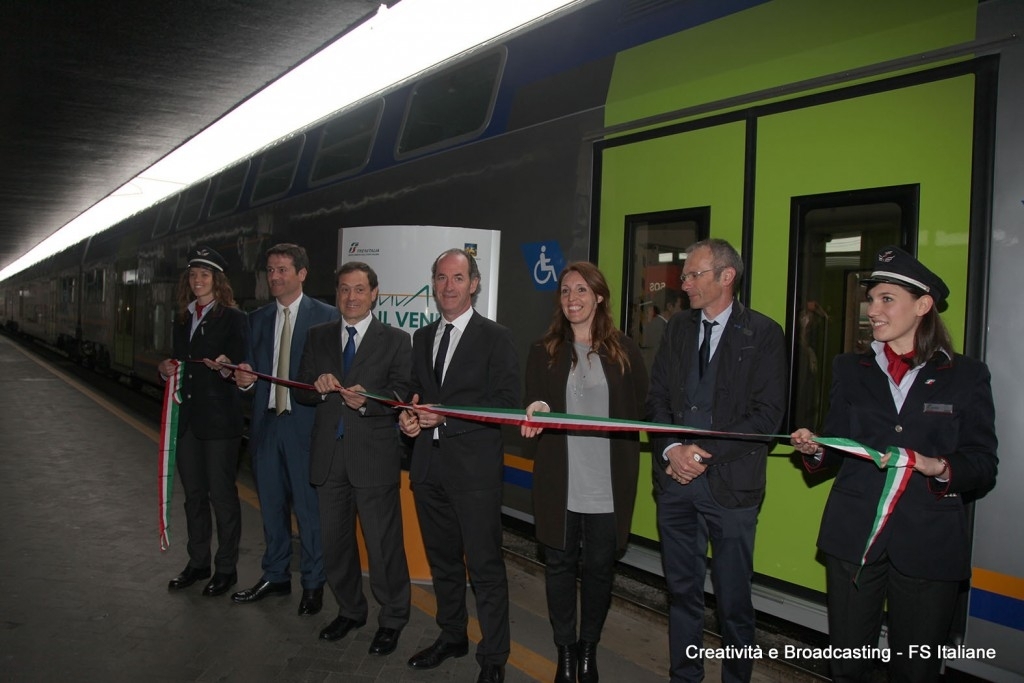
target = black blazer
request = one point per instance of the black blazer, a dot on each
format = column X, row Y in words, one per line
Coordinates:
column 371, row 444
column 750, row 397
column 211, row 405
column 483, row 372
column 626, row 393
column 948, row 412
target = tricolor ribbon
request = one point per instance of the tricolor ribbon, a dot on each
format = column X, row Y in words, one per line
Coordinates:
column 899, row 468
column 168, row 445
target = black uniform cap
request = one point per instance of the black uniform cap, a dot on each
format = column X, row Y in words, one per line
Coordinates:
column 896, row 266
column 205, row 257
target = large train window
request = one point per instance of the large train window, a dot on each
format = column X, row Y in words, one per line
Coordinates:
column 836, row 237
column 165, row 217
column 228, row 189
column 451, row 106
column 192, row 205
column 346, row 142
column 654, row 256
column 277, row 170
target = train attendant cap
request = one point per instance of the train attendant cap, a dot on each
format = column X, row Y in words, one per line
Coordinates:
column 205, row 257
column 896, row 266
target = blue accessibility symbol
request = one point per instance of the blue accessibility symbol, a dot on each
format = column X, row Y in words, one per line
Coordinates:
column 545, row 261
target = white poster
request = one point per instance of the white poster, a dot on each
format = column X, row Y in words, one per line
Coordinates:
column 402, row 255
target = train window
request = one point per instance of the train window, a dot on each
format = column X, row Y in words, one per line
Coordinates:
column 228, row 189
column 93, row 286
column 165, row 216
column 654, row 261
column 836, row 237
column 277, row 170
column 346, row 142
column 192, row 205
column 451, row 106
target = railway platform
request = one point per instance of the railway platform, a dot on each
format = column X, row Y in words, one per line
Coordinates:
column 84, row 592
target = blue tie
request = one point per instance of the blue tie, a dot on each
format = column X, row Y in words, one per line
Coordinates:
column 347, row 356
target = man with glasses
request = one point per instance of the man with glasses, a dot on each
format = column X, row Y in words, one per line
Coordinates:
column 722, row 367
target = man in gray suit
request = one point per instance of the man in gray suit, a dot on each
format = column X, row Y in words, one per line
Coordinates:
column 355, row 458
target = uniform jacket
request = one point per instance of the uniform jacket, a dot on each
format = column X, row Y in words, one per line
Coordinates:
column 211, row 405
column 947, row 412
column 261, row 325
column 483, row 372
column 370, row 444
column 749, row 397
column 626, row 393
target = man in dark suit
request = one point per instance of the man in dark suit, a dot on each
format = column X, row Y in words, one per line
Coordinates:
column 721, row 366
column 279, row 431
column 356, row 456
column 457, row 465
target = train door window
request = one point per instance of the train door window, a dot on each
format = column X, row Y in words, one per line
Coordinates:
column 228, row 189
column 192, row 205
column 277, row 170
column 655, row 254
column 165, row 216
column 345, row 143
column 837, row 237
column 451, row 106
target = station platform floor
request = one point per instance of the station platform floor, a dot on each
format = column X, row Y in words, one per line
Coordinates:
column 84, row 583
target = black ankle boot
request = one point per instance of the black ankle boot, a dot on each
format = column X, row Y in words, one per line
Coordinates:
column 566, row 671
column 587, row 666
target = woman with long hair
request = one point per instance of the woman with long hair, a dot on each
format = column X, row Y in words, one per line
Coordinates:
column 908, row 390
column 584, row 482
column 209, row 326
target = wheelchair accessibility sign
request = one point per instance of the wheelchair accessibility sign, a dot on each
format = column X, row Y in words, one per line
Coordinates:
column 545, row 261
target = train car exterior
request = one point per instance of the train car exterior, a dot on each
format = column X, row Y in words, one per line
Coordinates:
column 807, row 134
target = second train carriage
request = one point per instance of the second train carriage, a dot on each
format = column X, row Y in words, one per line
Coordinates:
column 806, row 134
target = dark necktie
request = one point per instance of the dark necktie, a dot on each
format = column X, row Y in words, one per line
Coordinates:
column 442, row 353
column 704, row 354
column 898, row 364
column 350, row 350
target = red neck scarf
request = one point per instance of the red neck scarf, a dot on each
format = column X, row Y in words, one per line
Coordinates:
column 898, row 364
column 200, row 307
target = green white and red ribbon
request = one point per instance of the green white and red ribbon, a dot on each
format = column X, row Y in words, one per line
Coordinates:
column 168, row 445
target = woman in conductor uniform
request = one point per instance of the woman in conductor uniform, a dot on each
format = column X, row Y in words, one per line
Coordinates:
column 909, row 390
column 209, row 326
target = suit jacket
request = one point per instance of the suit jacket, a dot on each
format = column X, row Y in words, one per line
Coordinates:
column 947, row 412
column 749, row 396
column 626, row 393
column 261, row 324
column 371, row 444
column 211, row 406
column 483, row 372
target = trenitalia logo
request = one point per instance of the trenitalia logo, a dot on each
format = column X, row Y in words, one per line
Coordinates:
column 353, row 247
column 354, row 250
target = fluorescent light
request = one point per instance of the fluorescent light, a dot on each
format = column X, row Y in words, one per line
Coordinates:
column 399, row 43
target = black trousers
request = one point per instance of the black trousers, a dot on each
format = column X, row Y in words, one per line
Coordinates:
column 920, row 614
column 207, row 469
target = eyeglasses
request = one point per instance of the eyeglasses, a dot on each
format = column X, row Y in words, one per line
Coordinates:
column 690, row 277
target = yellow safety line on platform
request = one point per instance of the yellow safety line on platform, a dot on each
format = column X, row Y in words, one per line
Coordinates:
column 522, row 658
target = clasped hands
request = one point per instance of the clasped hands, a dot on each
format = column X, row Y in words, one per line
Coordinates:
column 686, row 462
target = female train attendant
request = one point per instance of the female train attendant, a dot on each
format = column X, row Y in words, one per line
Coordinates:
column 209, row 326
column 910, row 390
column 584, row 483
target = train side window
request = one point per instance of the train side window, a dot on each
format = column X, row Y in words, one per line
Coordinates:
column 655, row 254
column 277, row 170
column 228, row 189
column 451, row 106
column 836, row 237
column 165, row 217
column 94, row 286
column 192, row 205
column 345, row 143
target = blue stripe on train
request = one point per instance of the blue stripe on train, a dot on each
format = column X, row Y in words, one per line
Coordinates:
column 518, row 477
column 999, row 609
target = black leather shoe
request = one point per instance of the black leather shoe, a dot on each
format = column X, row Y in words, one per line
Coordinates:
column 385, row 640
column 261, row 590
column 566, row 670
column 432, row 657
column 587, row 670
column 220, row 583
column 339, row 628
column 491, row 673
column 187, row 577
column 312, row 601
